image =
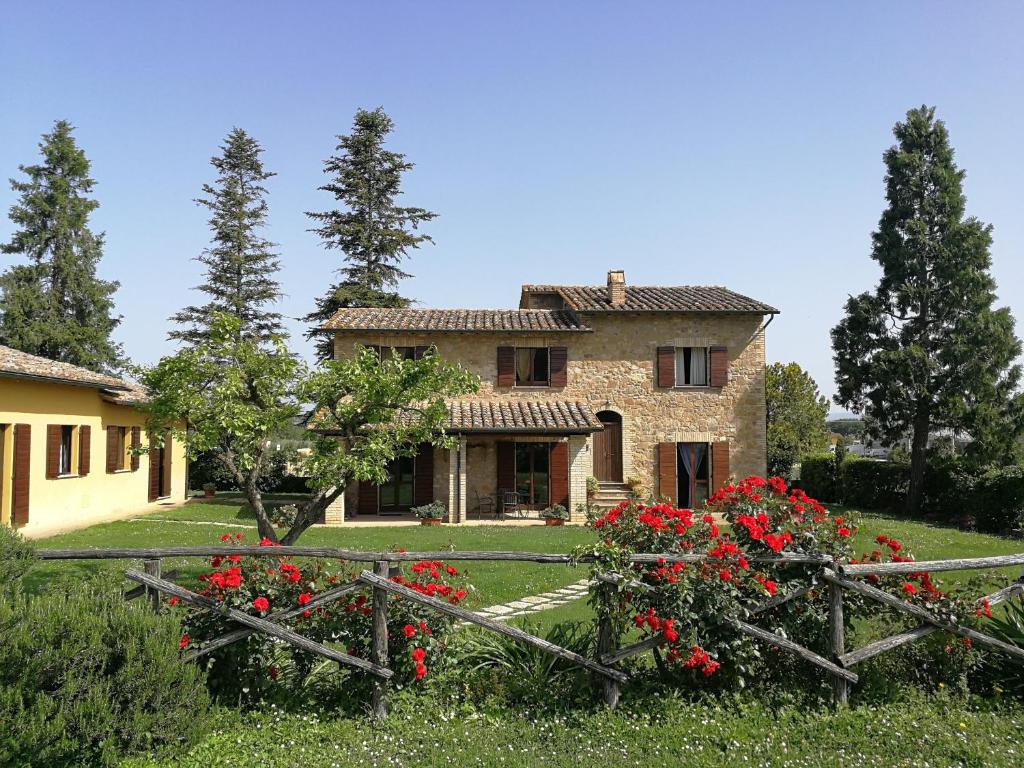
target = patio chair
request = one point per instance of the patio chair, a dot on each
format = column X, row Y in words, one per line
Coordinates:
column 485, row 505
column 511, row 502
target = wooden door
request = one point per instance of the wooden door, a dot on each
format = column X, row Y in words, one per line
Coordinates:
column 608, row 448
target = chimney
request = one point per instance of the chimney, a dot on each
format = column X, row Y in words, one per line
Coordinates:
column 616, row 287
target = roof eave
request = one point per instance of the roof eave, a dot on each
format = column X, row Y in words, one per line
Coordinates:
column 58, row 380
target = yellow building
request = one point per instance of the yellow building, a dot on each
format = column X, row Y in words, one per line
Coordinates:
column 66, row 448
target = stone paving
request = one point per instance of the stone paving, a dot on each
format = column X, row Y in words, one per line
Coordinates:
column 536, row 603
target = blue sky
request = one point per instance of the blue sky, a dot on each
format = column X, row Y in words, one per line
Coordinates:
column 732, row 144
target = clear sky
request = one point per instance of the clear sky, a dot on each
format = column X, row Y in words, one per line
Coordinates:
column 734, row 144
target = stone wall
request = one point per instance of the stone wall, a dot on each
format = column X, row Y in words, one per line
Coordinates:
column 613, row 368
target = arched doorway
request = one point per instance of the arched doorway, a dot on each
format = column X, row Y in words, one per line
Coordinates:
column 608, row 448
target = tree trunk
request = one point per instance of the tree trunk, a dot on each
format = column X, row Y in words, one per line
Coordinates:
column 311, row 512
column 263, row 524
column 918, row 448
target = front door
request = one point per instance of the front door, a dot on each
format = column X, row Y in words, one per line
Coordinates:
column 396, row 495
column 608, row 448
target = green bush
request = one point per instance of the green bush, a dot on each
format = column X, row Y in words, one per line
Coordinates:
column 86, row 678
column 818, row 477
column 874, row 484
column 17, row 555
column 997, row 499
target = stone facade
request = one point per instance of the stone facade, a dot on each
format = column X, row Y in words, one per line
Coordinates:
column 612, row 368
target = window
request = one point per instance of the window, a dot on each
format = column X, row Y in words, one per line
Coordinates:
column 691, row 366
column 404, row 353
column 67, row 444
column 532, row 367
column 532, row 473
column 123, row 449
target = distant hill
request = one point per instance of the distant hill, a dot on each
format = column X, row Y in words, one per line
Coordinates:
column 848, row 427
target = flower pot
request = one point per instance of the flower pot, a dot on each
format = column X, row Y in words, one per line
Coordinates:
column 554, row 521
column 430, row 521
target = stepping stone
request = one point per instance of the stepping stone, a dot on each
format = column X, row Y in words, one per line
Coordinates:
column 499, row 609
column 567, row 592
column 518, row 604
column 536, row 599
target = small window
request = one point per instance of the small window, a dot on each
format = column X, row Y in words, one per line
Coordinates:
column 533, row 367
column 691, row 366
column 123, row 448
column 67, row 445
column 405, row 353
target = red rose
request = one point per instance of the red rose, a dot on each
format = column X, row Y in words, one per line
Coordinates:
column 418, row 655
column 408, row 630
column 261, row 603
column 421, row 671
column 173, row 601
column 183, row 642
column 304, row 598
column 909, row 589
column 843, row 531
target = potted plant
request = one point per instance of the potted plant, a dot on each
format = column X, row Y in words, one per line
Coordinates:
column 209, row 490
column 555, row 515
column 636, row 486
column 430, row 514
column 592, row 487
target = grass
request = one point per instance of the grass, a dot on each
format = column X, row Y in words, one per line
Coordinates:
column 665, row 732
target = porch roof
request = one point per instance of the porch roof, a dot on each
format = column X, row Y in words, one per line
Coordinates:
column 562, row 417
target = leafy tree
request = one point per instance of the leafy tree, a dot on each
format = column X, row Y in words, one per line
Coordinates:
column 927, row 350
column 373, row 232
column 229, row 394
column 55, row 306
column 240, row 263
column 851, row 428
column 796, row 417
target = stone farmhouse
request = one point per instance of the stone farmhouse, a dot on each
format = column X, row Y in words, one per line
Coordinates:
column 659, row 385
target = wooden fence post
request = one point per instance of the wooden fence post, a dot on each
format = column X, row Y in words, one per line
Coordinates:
column 840, row 687
column 380, row 640
column 607, row 643
column 152, row 568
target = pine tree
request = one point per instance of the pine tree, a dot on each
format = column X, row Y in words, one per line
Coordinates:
column 240, row 263
column 55, row 306
column 927, row 350
column 373, row 233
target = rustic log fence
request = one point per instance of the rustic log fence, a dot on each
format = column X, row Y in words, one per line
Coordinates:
column 823, row 572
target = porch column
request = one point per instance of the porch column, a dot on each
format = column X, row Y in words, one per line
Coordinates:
column 457, row 493
column 581, row 464
column 335, row 512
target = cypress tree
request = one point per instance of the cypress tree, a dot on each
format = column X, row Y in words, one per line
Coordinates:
column 927, row 350
column 240, row 262
column 56, row 306
column 372, row 231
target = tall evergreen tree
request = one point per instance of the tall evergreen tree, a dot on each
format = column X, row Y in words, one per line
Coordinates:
column 55, row 306
column 240, row 262
column 372, row 232
column 927, row 350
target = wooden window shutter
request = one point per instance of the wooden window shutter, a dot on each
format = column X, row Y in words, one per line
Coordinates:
column 84, row 443
column 506, row 465
column 367, row 502
column 667, row 485
column 719, row 367
column 154, row 470
column 22, row 467
column 558, row 360
column 112, row 461
column 423, row 490
column 666, row 367
column 506, row 366
column 558, row 465
column 52, row 450
column 168, row 462
column 136, row 444
column 719, row 465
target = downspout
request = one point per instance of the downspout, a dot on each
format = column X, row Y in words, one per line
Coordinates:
column 765, row 395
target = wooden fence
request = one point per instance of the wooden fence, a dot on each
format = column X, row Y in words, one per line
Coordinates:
column 821, row 571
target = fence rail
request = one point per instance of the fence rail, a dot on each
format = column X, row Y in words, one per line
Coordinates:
column 838, row 578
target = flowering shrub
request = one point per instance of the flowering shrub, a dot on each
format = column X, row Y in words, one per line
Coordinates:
column 742, row 529
column 261, row 667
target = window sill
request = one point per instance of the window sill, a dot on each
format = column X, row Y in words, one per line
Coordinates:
column 122, row 472
column 531, row 386
column 694, row 386
column 67, row 476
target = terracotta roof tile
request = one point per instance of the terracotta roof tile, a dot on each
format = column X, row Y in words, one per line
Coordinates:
column 524, row 416
column 23, row 365
column 464, row 320
column 655, row 298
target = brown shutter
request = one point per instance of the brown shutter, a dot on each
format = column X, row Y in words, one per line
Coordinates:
column 22, row 467
column 719, row 465
column 506, row 366
column 52, row 450
column 84, row 441
column 719, row 366
column 112, row 460
column 558, row 360
column 136, row 444
column 168, row 463
column 667, row 484
column 423, row 490
column 367, row 502
column 666, row 366
column 506, row 465
column 154, row 470
column 558, row 466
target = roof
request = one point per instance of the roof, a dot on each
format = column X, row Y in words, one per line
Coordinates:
column 23, row 365
column 524, row 416
column 134, row 395
column 655, row 298
column 461, row 320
